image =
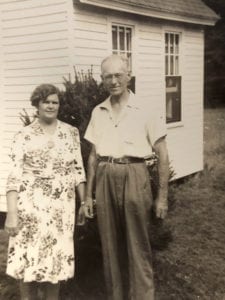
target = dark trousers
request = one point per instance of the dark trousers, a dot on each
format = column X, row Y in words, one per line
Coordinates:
column 124, row 201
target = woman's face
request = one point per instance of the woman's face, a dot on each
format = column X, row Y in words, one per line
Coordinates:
column 48, row 109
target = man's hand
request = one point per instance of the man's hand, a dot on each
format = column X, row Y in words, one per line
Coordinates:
column 12, row 224
column 161, row 208
column 88, row 208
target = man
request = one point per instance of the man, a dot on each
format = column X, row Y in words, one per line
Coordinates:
column 123, row 135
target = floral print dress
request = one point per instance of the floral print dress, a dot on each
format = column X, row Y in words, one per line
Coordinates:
column 45, row 170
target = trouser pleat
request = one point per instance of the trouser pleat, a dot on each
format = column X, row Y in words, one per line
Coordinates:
column 124, row 202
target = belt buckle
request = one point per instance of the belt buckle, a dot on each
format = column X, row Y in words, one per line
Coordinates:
column 115, row 160
column 122, row 160
column 119, row 160
column 111, row 159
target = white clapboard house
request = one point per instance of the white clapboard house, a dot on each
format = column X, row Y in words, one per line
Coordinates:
column 41, row 41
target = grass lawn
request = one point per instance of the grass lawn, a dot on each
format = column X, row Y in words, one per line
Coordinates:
column 193, row 265
column 189, row 246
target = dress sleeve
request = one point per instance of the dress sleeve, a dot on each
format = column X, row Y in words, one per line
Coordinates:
column 79, row 167
column 16, row 163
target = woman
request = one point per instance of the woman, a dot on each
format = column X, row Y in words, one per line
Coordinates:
column 46, row 168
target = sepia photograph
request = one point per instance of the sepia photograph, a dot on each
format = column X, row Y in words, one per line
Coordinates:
column 112, row 150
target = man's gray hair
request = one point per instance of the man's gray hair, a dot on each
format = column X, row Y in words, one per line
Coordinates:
column 121, row 58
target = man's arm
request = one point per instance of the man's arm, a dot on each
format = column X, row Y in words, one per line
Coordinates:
column 161, row 202
column 91, row 173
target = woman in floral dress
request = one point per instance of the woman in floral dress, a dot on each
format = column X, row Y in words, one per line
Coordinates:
column 46, row 169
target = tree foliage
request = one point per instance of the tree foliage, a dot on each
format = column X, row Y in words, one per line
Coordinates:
column 215, row 57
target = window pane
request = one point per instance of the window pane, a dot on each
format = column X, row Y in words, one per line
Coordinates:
column 122, row 42
column 171, row 43
column 114, row 37
column 128, row 39
column 176, row 65
column 166, row 65
column 129, row 56
column 122, row 38
column 176, row 43
column 173, row 99
column 169, row 109
column 166, row 42
column 171, row 65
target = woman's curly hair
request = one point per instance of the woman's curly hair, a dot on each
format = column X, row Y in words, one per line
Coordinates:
column 42, row 92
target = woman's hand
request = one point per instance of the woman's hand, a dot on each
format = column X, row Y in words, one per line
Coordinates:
column 81, row 216
column 12, row 224
column 88, row 207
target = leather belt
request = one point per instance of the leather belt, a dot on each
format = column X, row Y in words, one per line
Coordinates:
column 121, row 160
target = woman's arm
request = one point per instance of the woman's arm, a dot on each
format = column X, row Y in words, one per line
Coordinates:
column 13, row 183
column 81, row 191
column 11, row 222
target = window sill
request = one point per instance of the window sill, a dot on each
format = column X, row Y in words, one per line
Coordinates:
column 175, row 125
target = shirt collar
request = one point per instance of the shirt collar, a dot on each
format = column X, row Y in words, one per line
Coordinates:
column 132, row 102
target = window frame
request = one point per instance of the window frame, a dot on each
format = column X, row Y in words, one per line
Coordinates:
column 179, row 33
column 125, row 50
column 123, row 23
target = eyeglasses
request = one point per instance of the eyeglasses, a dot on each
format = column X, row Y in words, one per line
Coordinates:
column 117, row 76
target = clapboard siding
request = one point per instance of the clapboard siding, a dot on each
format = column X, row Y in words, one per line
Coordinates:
column 37, row 29
column 2, row 203
column 17, row 5
column 36, row 49
column 90, row 33
column 193, row 100
column 33, row 9
column 43, row 55
column 41, row 41
column 40, row 63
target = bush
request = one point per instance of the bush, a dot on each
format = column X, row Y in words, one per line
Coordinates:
column 77, row 102
column 79, row 99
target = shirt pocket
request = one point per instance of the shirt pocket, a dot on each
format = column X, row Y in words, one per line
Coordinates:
column 132, row 136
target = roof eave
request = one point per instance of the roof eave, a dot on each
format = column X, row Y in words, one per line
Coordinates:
column 151, row 13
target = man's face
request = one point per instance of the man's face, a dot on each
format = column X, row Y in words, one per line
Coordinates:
column 115, row 76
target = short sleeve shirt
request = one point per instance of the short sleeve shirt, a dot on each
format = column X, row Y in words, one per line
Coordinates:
column 133, row 134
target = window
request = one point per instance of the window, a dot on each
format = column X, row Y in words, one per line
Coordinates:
column 121, row 42
column 173, row 78
column 122, row 45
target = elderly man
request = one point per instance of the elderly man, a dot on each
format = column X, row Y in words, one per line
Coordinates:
column 123, row 135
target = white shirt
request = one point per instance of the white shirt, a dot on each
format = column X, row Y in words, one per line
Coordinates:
column 133, row 134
